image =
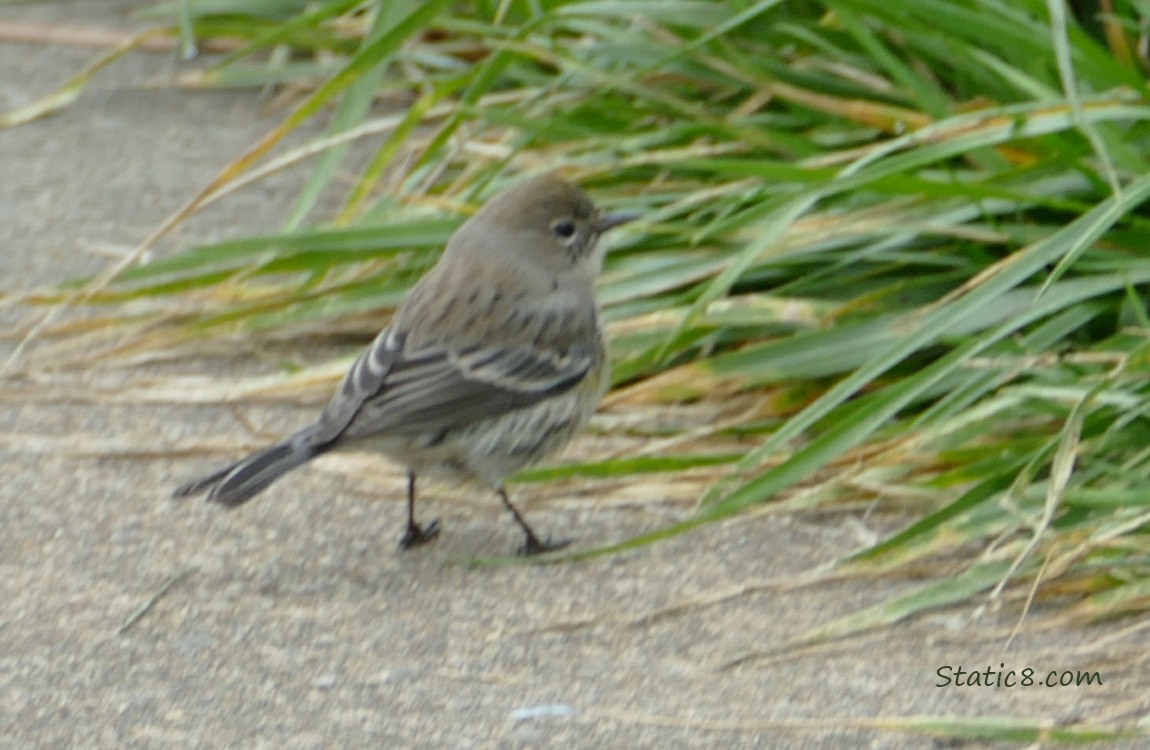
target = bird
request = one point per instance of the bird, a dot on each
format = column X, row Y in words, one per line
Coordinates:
column 492, row 361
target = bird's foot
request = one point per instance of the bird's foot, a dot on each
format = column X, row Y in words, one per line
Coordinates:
column 532, row 546
column 416, row 536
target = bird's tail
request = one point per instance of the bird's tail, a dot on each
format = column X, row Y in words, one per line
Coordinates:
column 246, row 478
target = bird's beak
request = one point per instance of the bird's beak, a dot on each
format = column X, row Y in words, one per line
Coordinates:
column 610, row 221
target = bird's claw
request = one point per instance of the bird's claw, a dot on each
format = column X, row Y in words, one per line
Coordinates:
column 416, row 536
column 532, row 546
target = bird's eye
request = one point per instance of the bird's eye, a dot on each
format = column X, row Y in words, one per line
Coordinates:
column 563, row 229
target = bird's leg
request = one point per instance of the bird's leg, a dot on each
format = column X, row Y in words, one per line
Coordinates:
column 415, row 534
column 531, row 545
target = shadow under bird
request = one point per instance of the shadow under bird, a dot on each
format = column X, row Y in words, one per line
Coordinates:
column 493, row 360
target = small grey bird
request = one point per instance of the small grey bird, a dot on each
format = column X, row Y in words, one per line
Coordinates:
column 493, row 360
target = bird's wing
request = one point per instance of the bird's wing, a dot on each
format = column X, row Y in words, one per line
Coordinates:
column 441, row 387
